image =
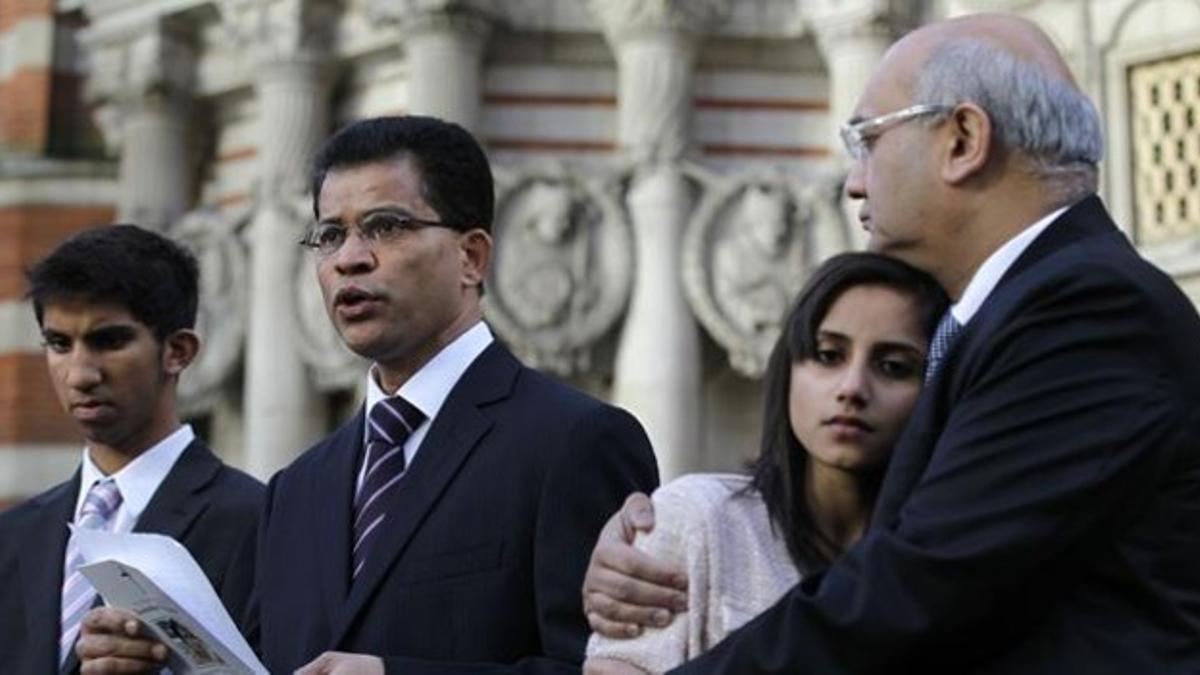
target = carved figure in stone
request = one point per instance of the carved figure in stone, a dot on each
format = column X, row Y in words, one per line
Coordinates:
column 563, row 268
column 547, row 277
column 745, row 256
column 216, row 241
column 751, row 279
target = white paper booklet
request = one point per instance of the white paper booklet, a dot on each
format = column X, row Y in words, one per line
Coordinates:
column 156, row 578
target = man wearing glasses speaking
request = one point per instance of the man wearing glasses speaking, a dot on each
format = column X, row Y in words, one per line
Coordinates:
column 446, row 528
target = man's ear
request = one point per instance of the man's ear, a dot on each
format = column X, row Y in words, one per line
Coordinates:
column 970, row 148
column 179, row 350
column 476, row 248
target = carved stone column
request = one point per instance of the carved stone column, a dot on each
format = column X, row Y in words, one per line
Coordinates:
column 658, row 366
column 853, row 35
column 444, row 42
column 142, row 82
column 287, row 40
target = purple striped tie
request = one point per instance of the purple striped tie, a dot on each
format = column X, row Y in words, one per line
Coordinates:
column 390, row 423
column 102, row 501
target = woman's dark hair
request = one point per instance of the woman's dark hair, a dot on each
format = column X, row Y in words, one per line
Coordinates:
column 779, row 471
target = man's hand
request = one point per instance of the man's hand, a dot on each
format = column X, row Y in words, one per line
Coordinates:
column 340, row 663
column 113, row 641
column 625, row 589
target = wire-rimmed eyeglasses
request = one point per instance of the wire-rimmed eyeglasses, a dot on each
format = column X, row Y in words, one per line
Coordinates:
column 855, row 135
column 375, row 228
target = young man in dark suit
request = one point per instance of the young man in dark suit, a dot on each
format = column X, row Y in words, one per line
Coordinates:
column 446, row 528
column 1041, row 513
column 116, row 306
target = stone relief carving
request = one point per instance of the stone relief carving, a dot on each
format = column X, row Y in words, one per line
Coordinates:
column 418, row 15
column 217, row 240
column 562, row 267
column 746, row 253
column 622, row 16
column 147, row 65
column 280, row 29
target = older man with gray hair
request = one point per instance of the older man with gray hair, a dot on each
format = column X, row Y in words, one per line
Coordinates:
column 1042, row 512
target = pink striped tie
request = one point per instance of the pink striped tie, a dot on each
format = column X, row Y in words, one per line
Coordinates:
column 101, row 502
column 389, row 425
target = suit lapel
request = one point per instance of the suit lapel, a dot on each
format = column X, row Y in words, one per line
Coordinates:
column 915, row 447
column 41, row 569
column 455, row 433
column 332, row 515
column 179, row 499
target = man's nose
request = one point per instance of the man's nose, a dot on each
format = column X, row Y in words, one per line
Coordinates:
column 856, row 186
column 83, row 370
column 355, row 254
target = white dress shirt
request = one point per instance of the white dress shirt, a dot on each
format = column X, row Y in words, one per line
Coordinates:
column 984, row 281
column 137, row 480
column 428, row 388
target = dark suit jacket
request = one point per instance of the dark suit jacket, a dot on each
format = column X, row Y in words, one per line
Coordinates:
column 1042, row 511
column 488, row 534
column 208, row 507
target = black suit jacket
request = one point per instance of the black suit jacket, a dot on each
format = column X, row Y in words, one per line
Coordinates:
column 208, row 507
column 1041, row 514
column 488, row 534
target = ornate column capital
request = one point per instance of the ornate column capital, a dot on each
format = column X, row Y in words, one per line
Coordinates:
column 834, row 21
column 148, row 65
column 623, row 19
column 272, row 31
column 470, row 18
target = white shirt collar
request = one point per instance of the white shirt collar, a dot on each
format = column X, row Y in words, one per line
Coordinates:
column 992, row 270
column 428, row 388
column 139, row 479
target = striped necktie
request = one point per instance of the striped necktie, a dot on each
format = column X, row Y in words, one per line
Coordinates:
column 389, row 425
column 944, row 337
column 102, row 501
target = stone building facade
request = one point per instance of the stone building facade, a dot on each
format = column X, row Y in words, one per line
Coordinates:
column 667, row 173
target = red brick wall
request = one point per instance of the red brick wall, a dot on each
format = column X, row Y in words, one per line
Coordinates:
column 29, row 410
column 25, row 96
column 29, row 232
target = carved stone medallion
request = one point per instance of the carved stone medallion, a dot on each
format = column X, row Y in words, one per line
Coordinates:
column 562, row 267
column 746, row 253
column 216, row 239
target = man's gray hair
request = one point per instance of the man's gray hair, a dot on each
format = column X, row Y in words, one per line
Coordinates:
column 1045, row 118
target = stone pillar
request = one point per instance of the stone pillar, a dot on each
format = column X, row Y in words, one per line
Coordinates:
column 142, row 80
column 853, row 36
column 658, row 365
column 287, row 40
column 444, row 42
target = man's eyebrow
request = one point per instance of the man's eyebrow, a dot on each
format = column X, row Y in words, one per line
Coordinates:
column 390, row 209
column 117, row 330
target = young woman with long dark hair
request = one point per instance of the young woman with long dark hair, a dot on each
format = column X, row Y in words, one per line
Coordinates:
column 840, row 384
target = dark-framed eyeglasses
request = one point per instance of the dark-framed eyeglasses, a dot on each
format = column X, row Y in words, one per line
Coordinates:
column 856, row 135
column 375, row 229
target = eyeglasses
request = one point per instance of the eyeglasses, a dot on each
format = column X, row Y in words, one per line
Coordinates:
column 855, row 135
column 377, row 228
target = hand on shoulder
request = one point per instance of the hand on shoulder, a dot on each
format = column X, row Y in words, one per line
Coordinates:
column 625, row 589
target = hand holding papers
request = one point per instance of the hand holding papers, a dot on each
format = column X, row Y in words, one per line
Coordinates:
column 155, row 577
